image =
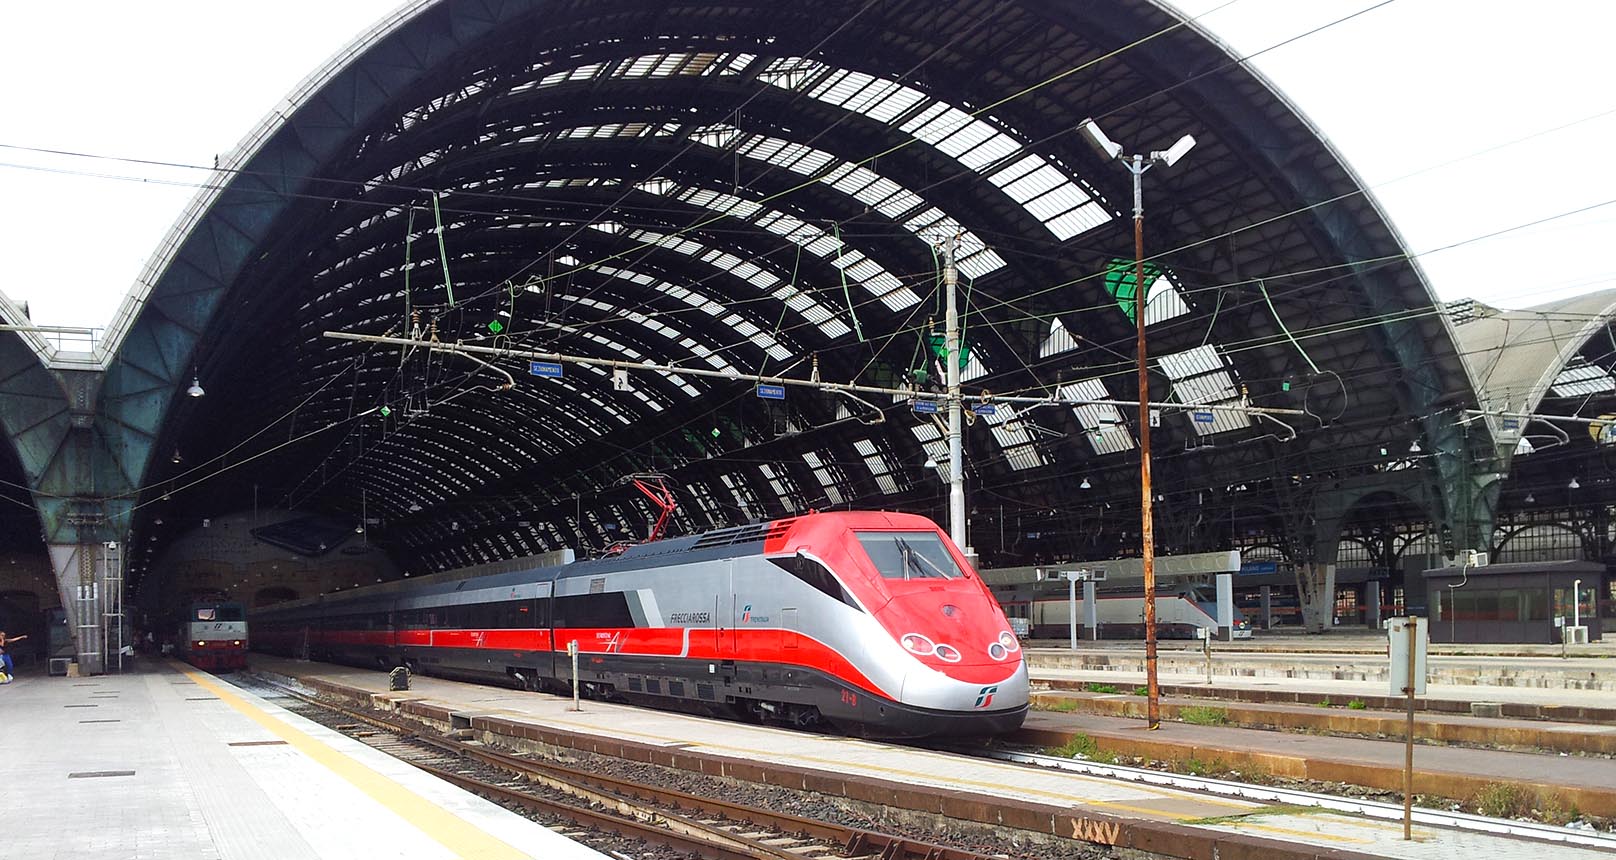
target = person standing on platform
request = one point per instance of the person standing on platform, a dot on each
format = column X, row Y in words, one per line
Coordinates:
column 9, row 667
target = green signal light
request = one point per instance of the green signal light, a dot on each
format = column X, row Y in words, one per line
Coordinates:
column 386, row 412
column 496, row 326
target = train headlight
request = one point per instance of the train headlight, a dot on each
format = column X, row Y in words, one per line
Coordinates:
column 997, row 651
column 201, row 644
column 947, row 653
column 236, row 642
column 918, row 644
column 1009, row 641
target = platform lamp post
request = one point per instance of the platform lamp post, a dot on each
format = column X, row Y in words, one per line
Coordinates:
column 1136, row 165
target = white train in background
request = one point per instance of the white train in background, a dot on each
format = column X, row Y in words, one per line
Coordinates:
column 1041, row 607
column 1181, row 610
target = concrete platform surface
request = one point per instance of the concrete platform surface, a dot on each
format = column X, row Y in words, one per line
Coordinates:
column 1188, row 811
column 163, row 762
column 1370, row 720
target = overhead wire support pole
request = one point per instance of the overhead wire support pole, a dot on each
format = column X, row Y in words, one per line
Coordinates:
column 1136, row 166
column 951, row 357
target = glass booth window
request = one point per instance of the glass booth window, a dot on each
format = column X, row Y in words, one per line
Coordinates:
column 909, row 555
column 1585, row 600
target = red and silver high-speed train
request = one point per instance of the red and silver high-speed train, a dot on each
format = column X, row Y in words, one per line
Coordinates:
column 871, row 622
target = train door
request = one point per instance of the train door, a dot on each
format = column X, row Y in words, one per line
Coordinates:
column 788, row 628
column 725, row 609
column 547, row 658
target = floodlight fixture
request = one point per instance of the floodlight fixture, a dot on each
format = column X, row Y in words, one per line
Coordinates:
column 1172, row 154
column 930, row 463
column 1085, row 485
column 1105, row 146
column 1136, row 165
column 196, row 387
column 1574, row 485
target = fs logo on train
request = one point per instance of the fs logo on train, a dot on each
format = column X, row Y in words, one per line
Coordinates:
column 984, row 696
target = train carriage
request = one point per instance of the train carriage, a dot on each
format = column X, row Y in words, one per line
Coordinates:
column 213, row 636
column 870, row 622
column 1181, row 610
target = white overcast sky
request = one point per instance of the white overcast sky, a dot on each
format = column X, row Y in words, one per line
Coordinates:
column 1438, row 86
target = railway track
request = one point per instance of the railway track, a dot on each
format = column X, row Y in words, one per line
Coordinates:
column 1293, row 797
column 633, row 815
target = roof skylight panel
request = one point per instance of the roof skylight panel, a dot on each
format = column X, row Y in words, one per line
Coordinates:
column 1079, row 220
column 936, row 446
column 875, row 460
column 1581, row 381
column 1033, row 183
column 639, row 67
column 840, row 86
column 875, row 279
column 1059, row 339
column 1164, row 301
column 781, row 483
column 1107, row 430
column 1203, row 377
column 1010, row 431
column 885, row 101
column 827, row 478
column 868, row 187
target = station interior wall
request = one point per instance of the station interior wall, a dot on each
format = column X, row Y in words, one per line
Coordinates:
column 224, row 558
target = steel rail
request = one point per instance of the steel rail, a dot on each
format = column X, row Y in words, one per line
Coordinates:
column 618, row 793
column 1369, row 808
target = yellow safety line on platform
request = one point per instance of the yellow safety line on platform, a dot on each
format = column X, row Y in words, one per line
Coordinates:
column 461, row 837
column 1310, row 834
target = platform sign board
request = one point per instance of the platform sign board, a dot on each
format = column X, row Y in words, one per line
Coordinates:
column 925, row 406
column 1398, row 632
column 771, row 392
column 1203, row 416
column 984, row 409
column 546, row 369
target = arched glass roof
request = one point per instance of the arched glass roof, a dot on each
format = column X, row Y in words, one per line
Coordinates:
column 762, row 191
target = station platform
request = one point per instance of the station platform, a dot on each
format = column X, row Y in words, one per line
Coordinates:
column 1532, row 676
column 1575, row 726
column 1169, row 821
column 1441, row 721
column 1286, row 676
column 162, row 762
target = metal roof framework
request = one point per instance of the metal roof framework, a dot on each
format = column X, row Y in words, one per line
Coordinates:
column 759, row 187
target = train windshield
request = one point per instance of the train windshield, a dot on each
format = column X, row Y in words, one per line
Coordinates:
column 909, row 555
column 217, row 613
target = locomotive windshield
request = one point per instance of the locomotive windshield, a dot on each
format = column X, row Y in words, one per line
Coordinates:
column 217, row 613
column 909, row 555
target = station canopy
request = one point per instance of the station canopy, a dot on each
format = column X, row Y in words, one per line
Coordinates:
column 764, row 189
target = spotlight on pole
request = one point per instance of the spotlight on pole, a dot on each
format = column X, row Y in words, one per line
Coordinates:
column 1136, row 165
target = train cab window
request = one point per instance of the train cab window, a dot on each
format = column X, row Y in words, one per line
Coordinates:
column 909, row 555
column 815, row 574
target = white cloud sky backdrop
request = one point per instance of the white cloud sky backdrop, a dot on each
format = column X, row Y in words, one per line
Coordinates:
column 1434, row 88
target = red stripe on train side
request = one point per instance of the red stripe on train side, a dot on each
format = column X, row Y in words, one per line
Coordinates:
column 763, row 645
